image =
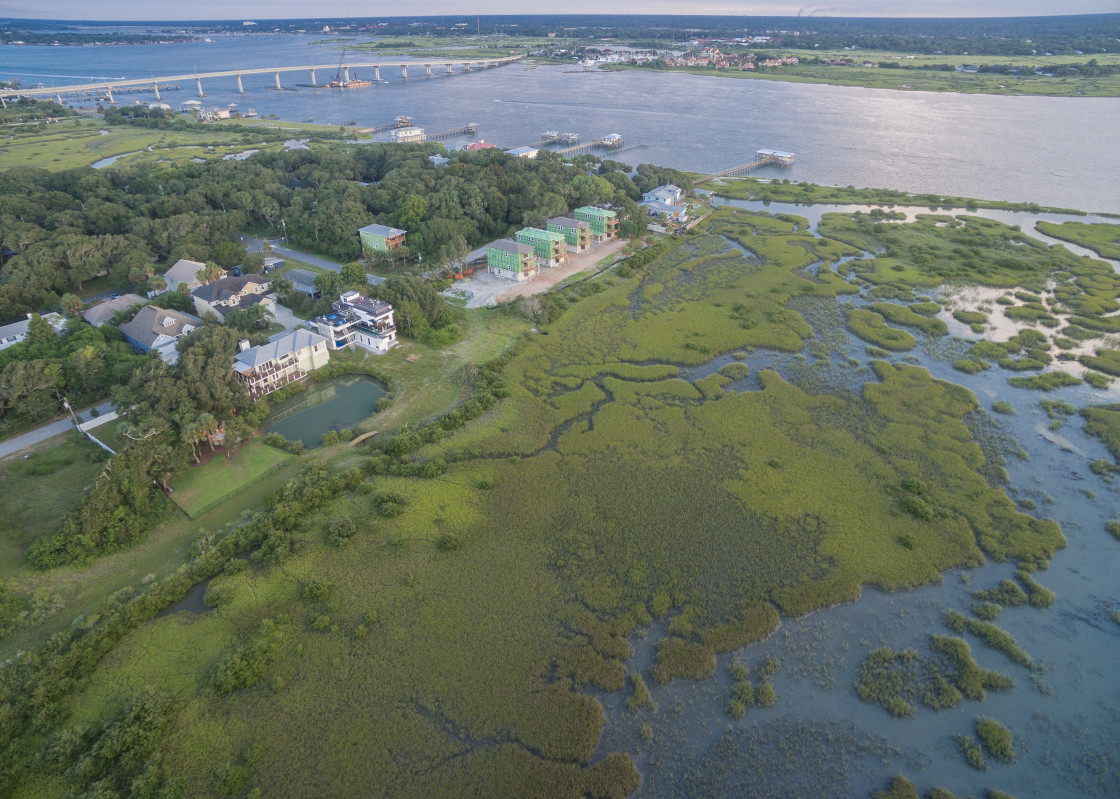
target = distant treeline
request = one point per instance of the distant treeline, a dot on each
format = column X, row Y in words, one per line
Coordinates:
column 1058, row 35
column 12, row 35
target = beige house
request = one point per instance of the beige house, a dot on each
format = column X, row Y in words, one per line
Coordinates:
column 99, row 314
column 286, row 359
column 185, row 272
column 233, row 293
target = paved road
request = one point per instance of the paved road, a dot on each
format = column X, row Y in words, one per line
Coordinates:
column 46, row 431
column 256, row 245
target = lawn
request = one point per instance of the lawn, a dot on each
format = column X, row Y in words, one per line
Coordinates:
column 80, row 142
column 198, row 488
column 37, row 491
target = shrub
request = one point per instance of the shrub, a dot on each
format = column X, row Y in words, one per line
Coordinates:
column 315, row 591
column 973, row 754
column 766, row 696
column 1004, row 407
column 246, row 665
column 996, row 739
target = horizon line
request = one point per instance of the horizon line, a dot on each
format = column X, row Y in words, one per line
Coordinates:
column 258, row 20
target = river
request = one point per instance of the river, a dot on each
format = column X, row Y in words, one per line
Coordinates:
column 1053, row 151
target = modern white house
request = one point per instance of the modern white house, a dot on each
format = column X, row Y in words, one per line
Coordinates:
column 357, row 321
column 666, row 201
column 286, row 359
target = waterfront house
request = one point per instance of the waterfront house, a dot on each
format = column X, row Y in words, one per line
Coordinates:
column 13, row 334
column 381, row 238
column 233, row 293
column 358, row 321
column 674, row 213
column 550, row 248
column 668, row 194
column 303, row 280
column 439, row 160
column 185, row 272
column 524, row 152
column 511, row 260
column 604, row 223
column 286, row 359
column 410, row 134
column 158, row 329
column 99, row 314
column 577, row 233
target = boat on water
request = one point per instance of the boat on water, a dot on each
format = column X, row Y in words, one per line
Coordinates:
column 353, row 83
column 250, row 114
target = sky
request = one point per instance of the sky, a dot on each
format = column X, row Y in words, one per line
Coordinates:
column 301, row 9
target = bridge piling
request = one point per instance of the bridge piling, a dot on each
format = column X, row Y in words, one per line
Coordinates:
column 404, row 71
column 449, row 68
column 346, row 74
column 377, row 74
column 278, row 86
column 155, row 88
column 313, row 81
column 58, row 96
column 109, row 91
column 428, row 69
column 199, row 82
column 240, row 88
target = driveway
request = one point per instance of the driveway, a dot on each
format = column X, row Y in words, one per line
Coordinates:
column 284, row 316
column 24, row 440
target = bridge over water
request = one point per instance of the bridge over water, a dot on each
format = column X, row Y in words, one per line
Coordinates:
column 447, row 65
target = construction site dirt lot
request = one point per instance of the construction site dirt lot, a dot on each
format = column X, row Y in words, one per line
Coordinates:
column 484, row 289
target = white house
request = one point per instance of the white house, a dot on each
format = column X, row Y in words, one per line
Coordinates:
column 357, row 321
column 13, row 334
column 668, row 194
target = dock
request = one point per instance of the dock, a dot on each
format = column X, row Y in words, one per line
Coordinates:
column 400, row 122
column 470, row 129
column 611, row 141
column 764, row 157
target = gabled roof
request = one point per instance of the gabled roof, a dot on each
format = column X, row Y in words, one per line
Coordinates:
column 304, row 277
column 228, row 287
column 567, row 221
column 507, row 245
column 382, row 230
column 99, row 314
column 184, row 271
column 294, row 341
column 152, row 322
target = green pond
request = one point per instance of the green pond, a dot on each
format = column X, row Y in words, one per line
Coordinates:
column 338, row 403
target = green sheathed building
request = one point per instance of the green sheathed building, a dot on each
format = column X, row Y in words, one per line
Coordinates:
column 576, row 232
column 381, row 238
column 511, row 260
column 604, row 223
column 551, row 248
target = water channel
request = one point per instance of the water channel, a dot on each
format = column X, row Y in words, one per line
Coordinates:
column 820, row 739
column 337, row 403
